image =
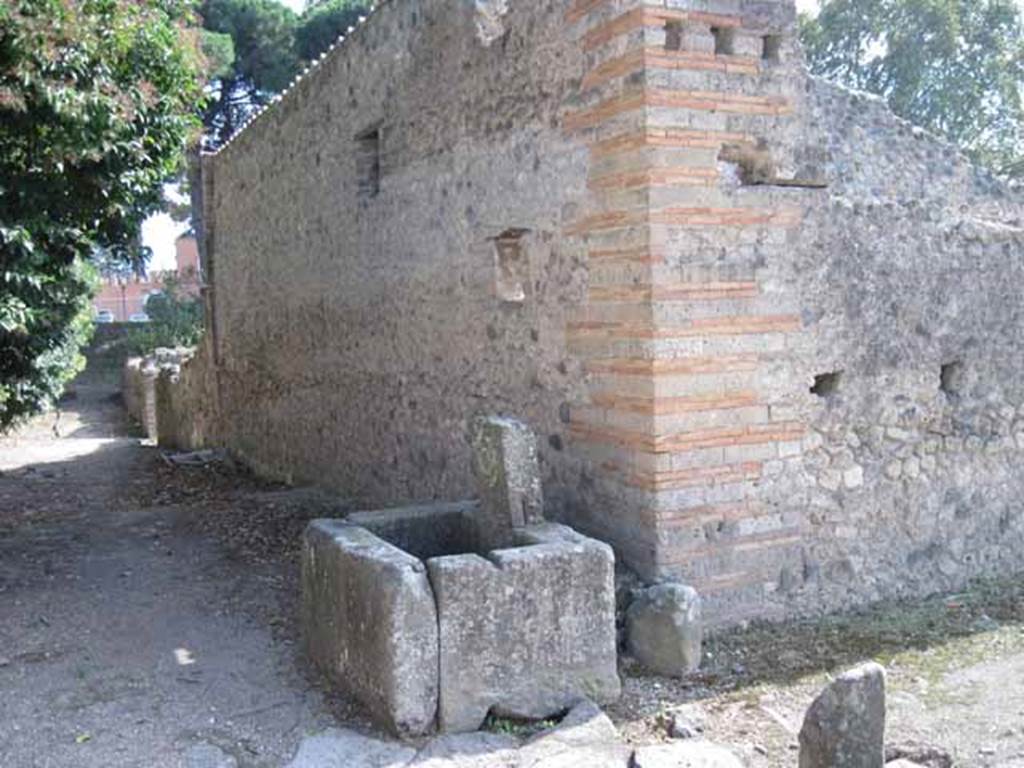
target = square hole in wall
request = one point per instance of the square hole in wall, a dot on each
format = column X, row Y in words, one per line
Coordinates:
column 826, row 384
column 951, row 378
column 771, row 49
column 673, row 35
column 512, row 266
column 725, row 40
column 368, row 162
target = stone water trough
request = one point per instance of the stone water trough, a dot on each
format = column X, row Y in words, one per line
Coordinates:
column 434, row 616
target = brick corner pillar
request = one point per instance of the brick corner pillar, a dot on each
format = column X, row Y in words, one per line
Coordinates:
column 688, row 110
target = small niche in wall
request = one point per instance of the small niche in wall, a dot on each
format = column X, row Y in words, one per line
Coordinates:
column 725, row 40
column 951, row 378
column 826, row 384
column 368, row 162
column 673, row 35
column 512, row 267
column 771, row 49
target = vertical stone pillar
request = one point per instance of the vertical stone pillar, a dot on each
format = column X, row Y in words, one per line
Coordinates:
column 508, row 479
column 689, row 319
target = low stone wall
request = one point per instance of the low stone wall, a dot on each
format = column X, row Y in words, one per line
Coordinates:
column 156, row 396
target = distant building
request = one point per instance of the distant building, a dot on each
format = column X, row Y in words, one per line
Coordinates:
column 125, row 297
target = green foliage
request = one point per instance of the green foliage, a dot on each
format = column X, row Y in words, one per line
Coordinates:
column 219, row 51
column 321, row 24
column 175, row 320
column 262, row 59
column 955, row 67
column 45, row 320
column 97, row 102
column 269, row 45
column 262, row 32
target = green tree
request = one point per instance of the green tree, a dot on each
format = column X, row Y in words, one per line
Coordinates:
column 256, row 47
column 321, row 23
column 97, row 103
column 175, row 320
column 955, row 67
column 259, row 35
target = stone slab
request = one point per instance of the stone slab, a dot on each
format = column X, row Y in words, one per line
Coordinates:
column 687, row 754
column 507, row 478
column 343, row 748
column 585, row 737
column 370, row 624
column 469, row 750
column 526, row 632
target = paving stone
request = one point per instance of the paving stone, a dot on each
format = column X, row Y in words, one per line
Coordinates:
column 469, row 750
column 206, row 755
column 343, row 748
column 686, row 754
column 585, row 737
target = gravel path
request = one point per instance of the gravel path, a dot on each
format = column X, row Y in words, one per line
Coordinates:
column 126, row 639
column 147, row 618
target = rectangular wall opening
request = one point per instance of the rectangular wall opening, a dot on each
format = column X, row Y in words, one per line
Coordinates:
column 725, row 40
column 368, row 162
column 951, row 378
column 771, row 49
column 826, row 384
column 512, row 266
column 673, row 35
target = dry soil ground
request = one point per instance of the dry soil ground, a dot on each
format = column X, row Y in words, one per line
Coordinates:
column 147, row 618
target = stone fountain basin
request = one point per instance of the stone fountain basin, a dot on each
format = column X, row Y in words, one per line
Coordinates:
column 401, row 611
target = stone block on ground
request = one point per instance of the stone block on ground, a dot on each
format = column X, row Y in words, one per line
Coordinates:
column 686, row 754
column 845, row 725
column 664, row 631
column 369, row 623
column 343, row 748
column 206, row 755
column 585, row 737
column 507, row 477
column 525, row 632
column 469, row 750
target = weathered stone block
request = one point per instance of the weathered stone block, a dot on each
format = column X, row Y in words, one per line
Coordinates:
column 664, row 630
column 845, row 726
column 527, row 631
column 507, row 477
column 370, row 624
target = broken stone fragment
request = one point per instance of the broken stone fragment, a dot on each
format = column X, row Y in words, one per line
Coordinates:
column 526, row 632
column 664, row 629
column 845, row 726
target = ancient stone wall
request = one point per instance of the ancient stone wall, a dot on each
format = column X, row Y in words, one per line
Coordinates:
column 387, row 254
column 645, row 231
